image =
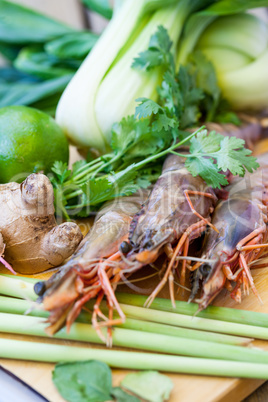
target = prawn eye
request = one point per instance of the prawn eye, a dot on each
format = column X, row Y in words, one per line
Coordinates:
column 205, row 270
column 125, row 247
column 40, row 288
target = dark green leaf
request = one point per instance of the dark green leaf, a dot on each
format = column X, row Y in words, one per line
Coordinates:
column 86, row 381
column 75, row 45
column 35, row 61
column 27, row 94
column 102, row 7
column 149, row 385
column 9, row 51
column 121, row 396
column 19, row 24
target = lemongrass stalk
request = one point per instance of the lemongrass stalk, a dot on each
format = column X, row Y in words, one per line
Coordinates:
column 204, row 324
column 36, row 351
column 35, row 326
column 17, row 306
column 212, row 312
column 16, row 287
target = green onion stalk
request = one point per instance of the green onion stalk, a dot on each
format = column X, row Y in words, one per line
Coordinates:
column 36, row 351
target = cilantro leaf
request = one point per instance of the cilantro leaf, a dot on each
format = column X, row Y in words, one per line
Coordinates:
column 212, row 153
column 206, row 143
column 164, row 122
column 205, row 167
column 158, row 52
column 111, row 186
column 123, row 134
column 233, row 156
column 146, row 108
column 61, row 171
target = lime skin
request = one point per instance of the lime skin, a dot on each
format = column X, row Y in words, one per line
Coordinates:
column 30, row 142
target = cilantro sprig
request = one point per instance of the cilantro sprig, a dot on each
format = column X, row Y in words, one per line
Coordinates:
column 139, row 143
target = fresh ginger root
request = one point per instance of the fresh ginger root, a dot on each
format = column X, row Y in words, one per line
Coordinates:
column 29, row 234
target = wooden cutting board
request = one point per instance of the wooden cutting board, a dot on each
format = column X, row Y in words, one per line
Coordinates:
column 187, row 388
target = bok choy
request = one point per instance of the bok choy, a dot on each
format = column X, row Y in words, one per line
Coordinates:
column 105, row 87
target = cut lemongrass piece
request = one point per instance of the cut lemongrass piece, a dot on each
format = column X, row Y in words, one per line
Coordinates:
column 35, row 326
column 16, row 287
column 17, row 306
column 211, row 312
column 44, row 352
column 186, row 321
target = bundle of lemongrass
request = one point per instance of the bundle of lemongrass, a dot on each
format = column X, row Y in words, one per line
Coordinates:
column 212, row 344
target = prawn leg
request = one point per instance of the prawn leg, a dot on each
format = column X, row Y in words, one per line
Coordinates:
column 197, row 227
column 190, row 192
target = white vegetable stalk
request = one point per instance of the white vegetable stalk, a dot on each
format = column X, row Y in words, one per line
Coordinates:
column 76, row 109
column 122, row 85
column 237, row 45
column 105, row 87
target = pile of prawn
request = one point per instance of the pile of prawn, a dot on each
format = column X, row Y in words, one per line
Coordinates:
column 135, row 231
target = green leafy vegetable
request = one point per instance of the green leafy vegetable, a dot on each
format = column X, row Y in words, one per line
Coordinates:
column 88, row 381
column 102, row 7
column 91, row 381
column 22, row 25
column 122, row 396
column 54, row 51
column 75, row 45
column 149, row 385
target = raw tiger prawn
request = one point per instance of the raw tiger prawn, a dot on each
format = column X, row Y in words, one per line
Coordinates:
column 93, row 269
column 177, row 212
column 242, row 224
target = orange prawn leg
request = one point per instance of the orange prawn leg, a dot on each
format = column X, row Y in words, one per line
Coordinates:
column 108, row 290
column 253, row 234
column 208, row 195
column 243, row 263
column 245, row 283
column 199, row 225
column 229, row 274
column 97, row 312
column 183, row 268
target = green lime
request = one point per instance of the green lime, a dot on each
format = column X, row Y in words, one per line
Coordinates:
column 30, row 142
